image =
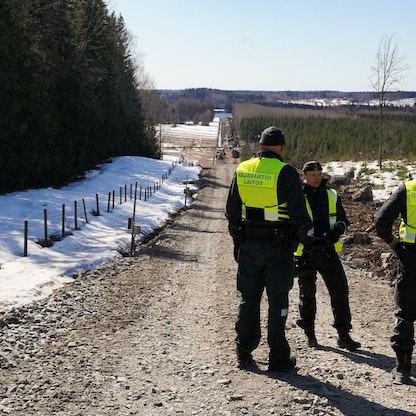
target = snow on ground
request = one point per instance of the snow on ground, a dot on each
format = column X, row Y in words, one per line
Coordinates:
column 383, row 182
column 101, row 240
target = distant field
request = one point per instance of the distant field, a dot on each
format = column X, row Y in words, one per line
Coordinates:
column 193, row 143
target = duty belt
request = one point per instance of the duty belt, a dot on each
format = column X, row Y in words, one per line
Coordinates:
column 265, row 232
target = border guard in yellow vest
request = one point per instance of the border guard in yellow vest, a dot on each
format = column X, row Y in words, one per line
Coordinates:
column 267, row 216
column 330, row 222
column 402, row 204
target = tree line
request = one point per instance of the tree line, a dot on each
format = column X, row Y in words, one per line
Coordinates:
column 69, row 93
column 344, row 133
column 227, row 99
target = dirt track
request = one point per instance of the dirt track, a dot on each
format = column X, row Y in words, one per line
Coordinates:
column 154, row 335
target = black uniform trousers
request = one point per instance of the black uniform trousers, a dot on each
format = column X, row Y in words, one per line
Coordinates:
column 405, row 300
column 328, row 264
column 264, row 264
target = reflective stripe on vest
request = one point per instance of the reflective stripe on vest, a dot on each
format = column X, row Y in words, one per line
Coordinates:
column 332, row 205
column 257, row 185
column 407, row 231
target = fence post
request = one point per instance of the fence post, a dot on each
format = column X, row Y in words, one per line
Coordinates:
column 26, row 228
column 76, row 215
column 135, row 200
column 85, row 210
column 45, row 225
column 98, row 205
column 63, row 221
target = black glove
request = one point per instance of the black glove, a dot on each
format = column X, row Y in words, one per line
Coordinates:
column 332, row 236
column 395, row 245
column 305, row 260
column 299, row 264
column 237, row 243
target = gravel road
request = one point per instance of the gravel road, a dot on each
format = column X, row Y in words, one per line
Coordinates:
column 153, row 335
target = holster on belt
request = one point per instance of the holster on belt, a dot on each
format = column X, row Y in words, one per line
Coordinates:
column 277, row 233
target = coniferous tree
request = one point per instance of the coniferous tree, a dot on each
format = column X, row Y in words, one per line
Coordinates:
column 68, row 93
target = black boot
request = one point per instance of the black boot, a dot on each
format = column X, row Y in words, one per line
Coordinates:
column 310, row 334
column 345, row 341
column 244, row 359
column 284, row 366
column 401, row 373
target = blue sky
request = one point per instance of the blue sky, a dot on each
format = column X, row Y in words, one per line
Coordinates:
column 267, row 44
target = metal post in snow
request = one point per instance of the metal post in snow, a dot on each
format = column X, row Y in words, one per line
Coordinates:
column 26, row 232
column 63, row 221
column 185, row 191
column 45, row 225
column 76, row 215
column 135, row 200
column 132, row 240
column 85, row 211
column 97, row 205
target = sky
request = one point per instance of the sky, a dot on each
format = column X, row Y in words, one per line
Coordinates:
column 24, row 279
column 268, row 45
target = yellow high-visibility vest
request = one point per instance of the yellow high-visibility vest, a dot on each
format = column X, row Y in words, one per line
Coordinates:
column 332, row 204
column 407, row 231
column 257, row 185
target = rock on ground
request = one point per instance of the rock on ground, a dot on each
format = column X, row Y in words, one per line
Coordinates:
column 154, row 335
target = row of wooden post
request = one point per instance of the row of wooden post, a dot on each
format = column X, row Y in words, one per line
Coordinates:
column 146, row 193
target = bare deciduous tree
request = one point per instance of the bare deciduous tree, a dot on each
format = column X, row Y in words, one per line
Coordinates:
column 387, row 73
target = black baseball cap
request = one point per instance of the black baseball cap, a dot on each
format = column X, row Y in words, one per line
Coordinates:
column 272, row 136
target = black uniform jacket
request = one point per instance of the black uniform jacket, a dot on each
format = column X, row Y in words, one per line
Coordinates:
column 392, row 208
column 288, row 190
column 318, row 200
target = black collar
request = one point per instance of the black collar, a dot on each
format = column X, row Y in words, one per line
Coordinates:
column 269, row 154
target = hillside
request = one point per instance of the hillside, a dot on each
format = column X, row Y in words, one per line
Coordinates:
column 226, row 99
